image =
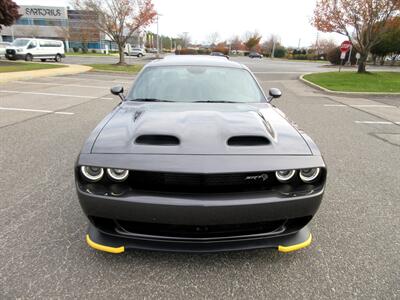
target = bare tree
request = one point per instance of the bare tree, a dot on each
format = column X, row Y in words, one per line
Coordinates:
column 213, row 38
column 361, row 21
column 119, row 19
column 184, row 38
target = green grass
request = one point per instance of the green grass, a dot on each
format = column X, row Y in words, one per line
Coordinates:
column 6, row 66
column 385, row 82
column 116, row 68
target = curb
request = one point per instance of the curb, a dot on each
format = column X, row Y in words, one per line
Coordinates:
column 309, row 83
column 69, row 69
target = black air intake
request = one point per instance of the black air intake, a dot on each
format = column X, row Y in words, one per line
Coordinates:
column 157, row 140
column 248, row 140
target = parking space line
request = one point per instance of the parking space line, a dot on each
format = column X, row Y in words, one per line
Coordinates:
column 57, row 95
column 37, row 110
column 376, row 122
column 360, row 105
column 276, row 72
column 62, row 84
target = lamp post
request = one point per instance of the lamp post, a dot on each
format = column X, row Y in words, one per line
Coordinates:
column 158, row 38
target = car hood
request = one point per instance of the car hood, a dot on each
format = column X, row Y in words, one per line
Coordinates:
column 199, row 129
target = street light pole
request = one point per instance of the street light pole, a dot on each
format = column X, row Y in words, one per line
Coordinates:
column 273, row 49
column 158, row 41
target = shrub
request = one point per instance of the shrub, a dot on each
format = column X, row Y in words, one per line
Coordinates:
column 334, row 57
column 280, row 52
column 75, row 49
column 203, row 51
column 186, row 51
column 94, row 51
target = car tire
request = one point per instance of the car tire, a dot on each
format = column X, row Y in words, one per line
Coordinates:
column 43, row 59
column 140, row 55
column 126, row 53
column 57, row 58
column 28, row 57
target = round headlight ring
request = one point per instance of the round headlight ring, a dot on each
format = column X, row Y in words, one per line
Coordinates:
column 117, row 174
column 285, row 175
column 307, row 178
column 92, row 174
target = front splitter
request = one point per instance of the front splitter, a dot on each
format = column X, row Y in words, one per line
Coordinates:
column 117, row 244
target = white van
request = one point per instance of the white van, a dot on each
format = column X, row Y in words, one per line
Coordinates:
column 29, row 49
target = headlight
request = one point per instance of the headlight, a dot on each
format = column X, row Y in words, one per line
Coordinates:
column 20, row 50
column 92, row 173
column 309, row 175
column 118, row 174
column 285, row 175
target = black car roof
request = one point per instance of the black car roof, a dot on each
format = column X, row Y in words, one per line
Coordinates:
column 195, row 60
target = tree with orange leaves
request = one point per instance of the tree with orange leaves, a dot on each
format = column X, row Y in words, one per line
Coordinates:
column 361, row 21
column 119, row 19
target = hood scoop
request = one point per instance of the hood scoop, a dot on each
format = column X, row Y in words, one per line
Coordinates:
column 199, row 129
column 157, row 140
column 248, row 140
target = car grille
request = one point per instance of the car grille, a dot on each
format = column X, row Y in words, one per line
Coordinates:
column 194, row 231
column 186, row 182
column 10, row 51
column 130, row 228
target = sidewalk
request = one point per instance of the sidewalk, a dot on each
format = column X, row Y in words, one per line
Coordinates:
column 70, row 69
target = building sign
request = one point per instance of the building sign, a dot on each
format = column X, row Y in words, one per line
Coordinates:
column 43, row 12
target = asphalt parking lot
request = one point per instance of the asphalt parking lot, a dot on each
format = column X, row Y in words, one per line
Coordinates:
column 355, row 252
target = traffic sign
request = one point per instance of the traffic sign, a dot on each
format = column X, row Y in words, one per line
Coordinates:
column 345, row 46
column 343, row 55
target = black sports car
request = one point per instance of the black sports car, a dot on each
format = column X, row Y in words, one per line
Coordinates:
column 195, row 158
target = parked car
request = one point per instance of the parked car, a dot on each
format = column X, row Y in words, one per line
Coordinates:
column 29, row 49
column 255, row 55
column 195, row 158
column 219, row 54
column 3, row 46
column 139, row 52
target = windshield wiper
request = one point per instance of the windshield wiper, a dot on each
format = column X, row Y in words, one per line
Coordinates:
column 211, row 101
column 151, row 100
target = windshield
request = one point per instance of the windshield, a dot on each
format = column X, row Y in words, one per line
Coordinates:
column 196, row 84
column 20, row 42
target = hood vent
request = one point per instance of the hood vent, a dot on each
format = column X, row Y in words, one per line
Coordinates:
column 157, row 140
column 248, row 140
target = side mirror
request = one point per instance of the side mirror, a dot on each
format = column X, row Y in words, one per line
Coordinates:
column 274, row 93
column 118, row 90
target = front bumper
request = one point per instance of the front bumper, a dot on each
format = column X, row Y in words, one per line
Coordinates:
column 14, row 56
column 198, row 210
column 112, row 244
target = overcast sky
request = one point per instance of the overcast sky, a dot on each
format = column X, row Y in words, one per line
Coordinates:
column 289, row 19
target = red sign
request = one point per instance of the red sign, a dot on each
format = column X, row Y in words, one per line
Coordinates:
column 345, row 46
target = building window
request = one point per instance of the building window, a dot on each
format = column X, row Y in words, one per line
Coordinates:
column 42, row 22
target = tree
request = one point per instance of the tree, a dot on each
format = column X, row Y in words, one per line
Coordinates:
column 8, row 12
column 184, row 39
column 81, row 29
column 213, row 38
column 323, row 46
column 365, row 18
column 237, row 43
column 390, row 41
column 268, row 46
column 252, row 40
column 119, row 19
